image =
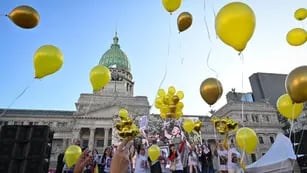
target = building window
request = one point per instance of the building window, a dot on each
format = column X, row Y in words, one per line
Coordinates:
column 30, row 123
column 267, row 118
column 260, row 140
column 253, row 157
column 5, row 123
column 109, row 142
column 272, row 139
column 99, row 143
column 84, row 142
column 257, row 118
column 245, row 117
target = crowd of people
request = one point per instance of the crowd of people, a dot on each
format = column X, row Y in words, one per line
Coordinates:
column 183, row 157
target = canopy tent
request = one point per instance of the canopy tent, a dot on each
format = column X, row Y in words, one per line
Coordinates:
column 279, row 158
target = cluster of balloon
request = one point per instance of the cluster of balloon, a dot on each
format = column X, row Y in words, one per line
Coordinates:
column 184, row 21
column 296, row 84
column 154, row 152
column 24, row 16
column 211, row 90
column 169, row 104
column 224, row 125
column 247, row 139
column 235, row 24
column 298, row 36
column 71, row 155
column 288, row 108
column 126, row 128
column 100, row 76
column 189, row 125
column 47, row 60
column 171, row 5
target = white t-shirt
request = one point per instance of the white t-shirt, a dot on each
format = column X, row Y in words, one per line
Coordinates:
column 141, row 164
column 233, row 159
column 193, row 159
column 222, row 157
column 178, row 161
column 107, row 165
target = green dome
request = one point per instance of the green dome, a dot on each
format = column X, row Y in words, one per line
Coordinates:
column 115, row 57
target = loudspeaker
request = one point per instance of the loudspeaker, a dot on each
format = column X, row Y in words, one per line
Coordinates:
column 25, row 149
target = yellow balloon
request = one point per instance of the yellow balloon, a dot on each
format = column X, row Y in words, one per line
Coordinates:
column 171, row 91
column 72, row 155
column 123, row 114
column 288, row 108
column 47, row 60
column 161, row 92
column 180, row 105
column 163, row 115
column 247, row 139
column 296, row 84
column 171, row 5
column 100, row 76
column 24, row 16
column 184, row 21
column 235, row 24
column 296, row 37
column 158, row 102
column 180, row 94
column 188, row 125
column 164, row 109
column 154, row 152
column 300, row 14
column 178, row 114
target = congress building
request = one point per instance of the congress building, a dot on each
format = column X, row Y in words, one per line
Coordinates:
column 93, row 120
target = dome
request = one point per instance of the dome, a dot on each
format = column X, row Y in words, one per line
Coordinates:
column 115, row 57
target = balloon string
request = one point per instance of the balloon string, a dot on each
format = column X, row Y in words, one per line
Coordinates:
column 291, row 128
column 180, row 50
column 300, row 141
column 17, row 97
column 170, row 34
column 208, row 57
column 206, row 23
column 168, row 54
column 214, row 14
column 242, row 86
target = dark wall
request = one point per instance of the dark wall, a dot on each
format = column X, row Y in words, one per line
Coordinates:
column 267, row 86
column 25, row 149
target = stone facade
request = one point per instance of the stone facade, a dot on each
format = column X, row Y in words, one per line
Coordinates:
column 262, row 117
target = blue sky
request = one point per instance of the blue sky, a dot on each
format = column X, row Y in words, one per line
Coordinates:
column 83, row 30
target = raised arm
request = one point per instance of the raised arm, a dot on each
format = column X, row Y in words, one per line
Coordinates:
column 168, row 136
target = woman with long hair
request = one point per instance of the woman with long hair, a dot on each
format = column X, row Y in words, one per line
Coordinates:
column 141, row 163
column 106, row 160
column 193, row 160
column 174, row 158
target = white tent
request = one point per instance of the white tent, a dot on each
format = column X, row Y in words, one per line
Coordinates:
column 279, row 158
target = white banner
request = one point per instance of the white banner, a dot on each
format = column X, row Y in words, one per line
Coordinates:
column 143, row 122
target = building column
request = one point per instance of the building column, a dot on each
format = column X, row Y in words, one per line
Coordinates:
column 106, row 137
column 75, row 135
column 91, row 139
column 65, row 143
